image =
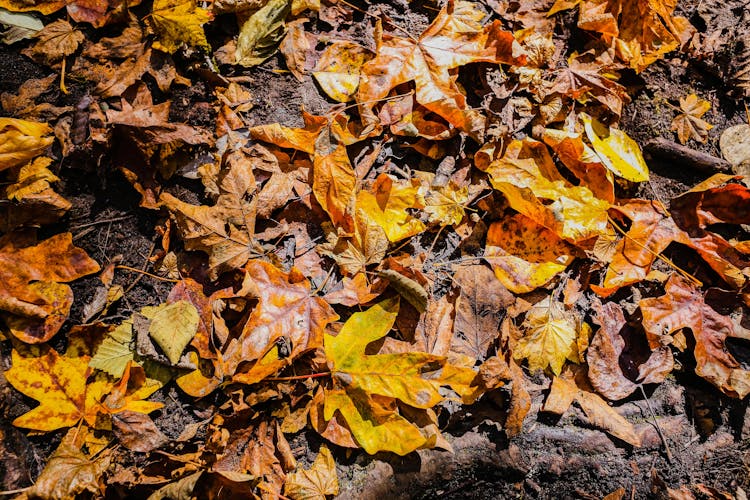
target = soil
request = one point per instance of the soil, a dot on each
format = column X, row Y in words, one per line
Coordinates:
column 706, row 436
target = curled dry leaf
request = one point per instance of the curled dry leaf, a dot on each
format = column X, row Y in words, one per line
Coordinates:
column 22, row 140
column 565, row 390
column 683, row 307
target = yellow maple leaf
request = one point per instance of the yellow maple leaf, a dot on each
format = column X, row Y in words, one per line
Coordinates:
column 366, row 386
column 59, row 383
column 178, row 22
column 387, row 206
column 314, row 483
column 444, row 205
column 551, row 336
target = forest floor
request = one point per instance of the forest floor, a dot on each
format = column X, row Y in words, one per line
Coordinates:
column 691, row 434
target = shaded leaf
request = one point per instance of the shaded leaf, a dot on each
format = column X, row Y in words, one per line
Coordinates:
column 261, row 33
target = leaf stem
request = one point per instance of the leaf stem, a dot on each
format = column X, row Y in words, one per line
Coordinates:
column 298, row 377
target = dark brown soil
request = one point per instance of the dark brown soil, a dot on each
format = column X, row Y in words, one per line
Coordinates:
column 707, row 434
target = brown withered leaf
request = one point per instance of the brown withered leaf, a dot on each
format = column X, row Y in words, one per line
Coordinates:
column 572, row 386
column 136, row 431
column 480, row 308
column 22, row 104
column 297, row 47
column 55, row 41
column 683, row 306
column 455, row 38
column 689, row 124
column 69, row 473
column 226, row 230
column 605, row 356
column 33, row 298
column 434, row 332
column 285, row 314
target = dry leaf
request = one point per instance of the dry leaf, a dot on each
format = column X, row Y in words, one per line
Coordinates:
column 689, row 124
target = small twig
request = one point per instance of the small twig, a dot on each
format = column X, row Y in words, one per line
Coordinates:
column 143, row 268
column 702, row 162
column 14, row 492
column 670, row 459
column 134, row 270
column 103, row 221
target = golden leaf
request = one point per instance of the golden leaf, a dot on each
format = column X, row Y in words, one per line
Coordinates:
column 22, row 140
column 315, row 483
column 178, row 22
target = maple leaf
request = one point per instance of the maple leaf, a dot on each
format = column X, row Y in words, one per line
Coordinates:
column 368, row 245
column 551, row 336
column 261, row 33
column 285, row 312
column 456, row 37
column 583, row 79
column 366, row 386
column 689, row 124
column 226, row 230
column 568, row 388
column 651, row 231
column 339, row 67
column 480, row 307
column 178, row 22
column 22, row 140
column 32, row 294
column 387, row 206
column 683, row 306
column 605, row 353
column 526, row 175
column 69, row 473
column 640, row 31
column 444, row 204
column 525, row 255
column 315, row 483
column 56, row 41
column 59, row 384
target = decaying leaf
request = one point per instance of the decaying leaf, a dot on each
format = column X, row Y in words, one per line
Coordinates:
column 683, row 307
column 689, row 124
column 565, row 390
column 69, row 473
column 261, row 33
column 55, row 41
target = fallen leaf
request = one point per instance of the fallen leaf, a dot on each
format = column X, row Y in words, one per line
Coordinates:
column 683, row 306
column 386, row 205
column 172, row 326
column 480, row 307
column 69, row 473
column 689, row 124
column 182, row 489
column 55, row 41
column 297, row 47
column 22, row 140
column 444, row 205
column 20, row 26
column 524, row 255
column 261, row 33
column 178, row 22
column 528, row 178
column 33, row 297
column 338, row 69
column 316, row 483
column 114, row 353
column 455, row 38
column 286, row 312
column 550, row 336
column 59, row 383
column 136, row 431
column 618, row 152
column 564, row 391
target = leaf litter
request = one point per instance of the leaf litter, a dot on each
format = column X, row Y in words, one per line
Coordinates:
column 460, row 223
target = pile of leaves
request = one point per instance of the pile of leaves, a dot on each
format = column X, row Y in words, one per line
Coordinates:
column 462, row 218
